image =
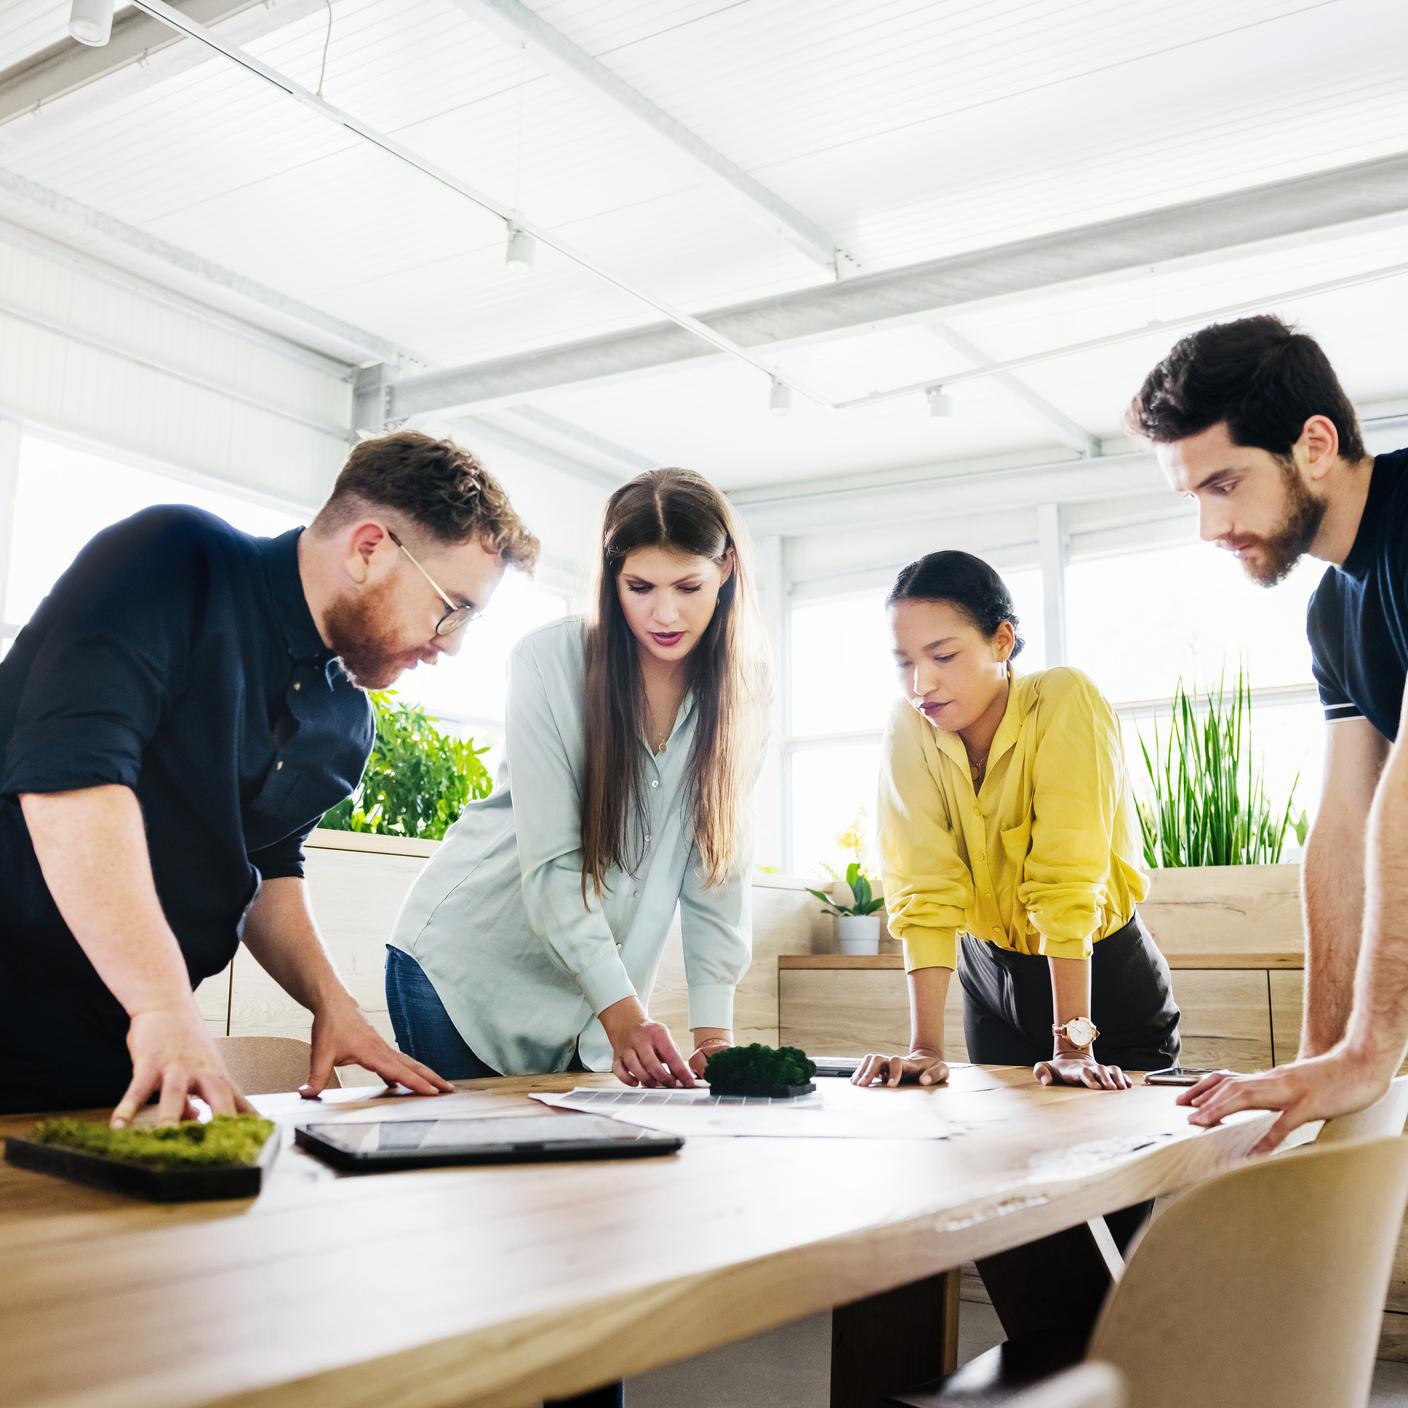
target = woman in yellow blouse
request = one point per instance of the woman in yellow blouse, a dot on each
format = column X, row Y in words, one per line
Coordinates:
column 1010, row 850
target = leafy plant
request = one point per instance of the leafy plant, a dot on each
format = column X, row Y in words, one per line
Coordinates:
column 1210, row 804
column 757, row 1069
column 418, row 779
column 865, row 900
column 225, row 1141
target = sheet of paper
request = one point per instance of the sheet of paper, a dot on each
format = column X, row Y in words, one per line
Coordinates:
column 697, row 1112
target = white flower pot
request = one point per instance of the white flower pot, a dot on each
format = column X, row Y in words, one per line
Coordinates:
column 858, row 933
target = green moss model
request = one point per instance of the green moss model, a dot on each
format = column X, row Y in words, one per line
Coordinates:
column 227, row 1141
column 758, row 1070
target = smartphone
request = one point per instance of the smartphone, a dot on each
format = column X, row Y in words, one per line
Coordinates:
column 1176, row 1075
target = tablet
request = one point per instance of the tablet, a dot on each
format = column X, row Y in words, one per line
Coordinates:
column 392, row 1144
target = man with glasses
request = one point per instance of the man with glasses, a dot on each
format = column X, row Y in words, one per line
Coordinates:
column 180, row 712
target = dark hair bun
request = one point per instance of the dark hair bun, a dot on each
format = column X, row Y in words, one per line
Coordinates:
column 964, row 581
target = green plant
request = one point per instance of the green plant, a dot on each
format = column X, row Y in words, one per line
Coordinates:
column 756, row 1069
column 226, row 1141
column 863, row 896
column 1210, row 804
column 418, row 779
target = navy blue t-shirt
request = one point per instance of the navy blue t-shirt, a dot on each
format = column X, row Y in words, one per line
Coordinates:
column 178, row 657
column 1358, row 617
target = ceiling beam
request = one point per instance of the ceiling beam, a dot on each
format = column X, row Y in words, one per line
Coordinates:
column 518, row 25
column 91, row 227
column 68, row 67
column 1066, row 430
column 931, row 495
column 1301, row 207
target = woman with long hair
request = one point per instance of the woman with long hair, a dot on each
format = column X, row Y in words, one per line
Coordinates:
column 1010, row 849
column 530, row 942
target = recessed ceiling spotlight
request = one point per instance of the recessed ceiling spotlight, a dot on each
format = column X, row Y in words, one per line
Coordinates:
column 90, row 21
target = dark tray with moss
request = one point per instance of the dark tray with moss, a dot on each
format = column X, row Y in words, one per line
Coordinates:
column 223, row 1158
column 761, row 1071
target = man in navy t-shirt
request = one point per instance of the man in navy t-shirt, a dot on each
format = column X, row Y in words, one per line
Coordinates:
column 1249, row 419
column 175, row 718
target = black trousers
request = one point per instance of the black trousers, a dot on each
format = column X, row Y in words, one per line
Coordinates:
column 1007, row 1012
column 1007, row 1020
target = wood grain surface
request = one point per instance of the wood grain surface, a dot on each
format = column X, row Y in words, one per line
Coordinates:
column 502, row 1285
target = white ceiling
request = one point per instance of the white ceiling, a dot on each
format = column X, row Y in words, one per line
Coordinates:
column 908, row 129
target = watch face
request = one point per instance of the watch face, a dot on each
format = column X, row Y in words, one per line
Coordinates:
column 1081, row 1031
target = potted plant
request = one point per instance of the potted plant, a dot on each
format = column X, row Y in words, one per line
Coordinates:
column 1213, row 837
column 857, row 927
column 418, row 779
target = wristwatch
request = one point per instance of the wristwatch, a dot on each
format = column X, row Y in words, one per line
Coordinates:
column 1079, row 1031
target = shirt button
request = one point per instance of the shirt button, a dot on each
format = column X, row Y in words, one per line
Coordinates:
column 655, row 782
column 297, row 685
column 279, row 765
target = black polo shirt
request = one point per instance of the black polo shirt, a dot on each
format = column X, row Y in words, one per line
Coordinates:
column 1358, row 617
column 178, row 657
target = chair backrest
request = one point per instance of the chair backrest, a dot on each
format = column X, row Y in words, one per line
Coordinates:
column 1089, row 1385
column 1384, row 1119
column 266, row 1065
column 1264, row 1287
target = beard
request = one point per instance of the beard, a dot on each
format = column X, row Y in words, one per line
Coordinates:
column 362, row 634
column 1281, row 550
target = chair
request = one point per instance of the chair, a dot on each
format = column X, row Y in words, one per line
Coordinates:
column 267, row 1065
column 1263, row 1288
column 1384, row 1119
column 1088, row 1386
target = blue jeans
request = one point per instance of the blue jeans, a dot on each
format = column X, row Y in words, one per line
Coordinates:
column 425, row 1032
column 423, row 1028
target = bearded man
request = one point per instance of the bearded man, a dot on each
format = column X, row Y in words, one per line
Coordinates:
column 1249, row 419
column 180, row 712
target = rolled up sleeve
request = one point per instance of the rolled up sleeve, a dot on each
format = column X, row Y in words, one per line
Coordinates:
column 1078, row 781
column 547, row 813
column 928, row 890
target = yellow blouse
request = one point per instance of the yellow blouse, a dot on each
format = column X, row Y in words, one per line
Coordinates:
column 1043, row 860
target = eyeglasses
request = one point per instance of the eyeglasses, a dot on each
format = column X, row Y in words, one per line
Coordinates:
column 454, row 616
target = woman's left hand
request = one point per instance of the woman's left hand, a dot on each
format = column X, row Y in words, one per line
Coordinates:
column 699, row 1058
column 1068, row 1068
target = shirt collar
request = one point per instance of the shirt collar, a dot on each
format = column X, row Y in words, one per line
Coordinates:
column 289, row 604
column 1019, row 703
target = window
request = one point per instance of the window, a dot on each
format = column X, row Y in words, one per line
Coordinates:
column 468, row 690
column 1138, row 623
column 65, row 495
column 842, row 684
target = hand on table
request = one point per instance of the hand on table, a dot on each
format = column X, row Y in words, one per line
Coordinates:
column 699, row 1057
column 342, row 1036
column 1315, row 1089
column 643, row 1052
column 920, row 1067
column 173, row 1056
column 1071, row 1068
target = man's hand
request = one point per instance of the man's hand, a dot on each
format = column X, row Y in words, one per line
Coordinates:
column 920, row 1067
column 1080, row 1068
column 342, row 1036
column 173, row 1055
column 1318, row 1089
column 644, row 1052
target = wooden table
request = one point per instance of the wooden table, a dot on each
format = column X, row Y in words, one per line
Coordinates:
column 499, row 1285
